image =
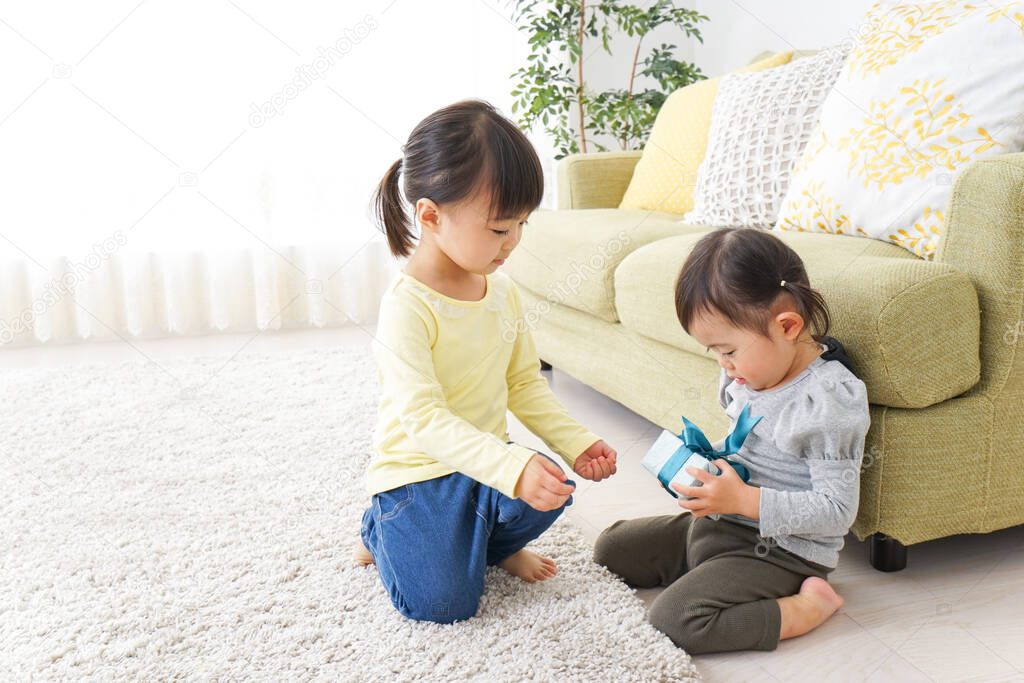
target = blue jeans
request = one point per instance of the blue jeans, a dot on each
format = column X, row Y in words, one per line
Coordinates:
column 432, row 541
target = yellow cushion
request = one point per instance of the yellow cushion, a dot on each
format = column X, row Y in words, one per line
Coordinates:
column 666, row 175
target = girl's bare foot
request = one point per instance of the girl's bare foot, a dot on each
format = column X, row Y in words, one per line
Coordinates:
column 362, row 555
column 809, row 608
column 528, row 566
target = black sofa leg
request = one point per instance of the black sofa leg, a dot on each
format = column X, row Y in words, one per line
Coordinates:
column 886, row 554
column 544, row 365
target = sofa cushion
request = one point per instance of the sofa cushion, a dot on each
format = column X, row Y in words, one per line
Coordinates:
column 569, row 257
column 911, row 327
column 761, row 123
column 665, row 176
column 929, row 87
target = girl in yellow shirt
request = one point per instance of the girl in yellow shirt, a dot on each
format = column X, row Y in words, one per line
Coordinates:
column 450, row 493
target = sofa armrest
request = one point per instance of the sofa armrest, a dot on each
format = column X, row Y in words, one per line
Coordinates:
column 984, row 238
column 595, row 181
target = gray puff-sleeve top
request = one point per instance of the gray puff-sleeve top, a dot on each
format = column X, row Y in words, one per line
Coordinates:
column 805, row 454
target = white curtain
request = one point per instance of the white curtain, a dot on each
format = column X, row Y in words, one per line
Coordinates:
column 193, row 167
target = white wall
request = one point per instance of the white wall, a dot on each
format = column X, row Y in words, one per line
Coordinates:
column 740, row 29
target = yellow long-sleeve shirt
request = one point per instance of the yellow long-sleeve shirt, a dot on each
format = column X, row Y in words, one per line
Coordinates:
column 448, row 371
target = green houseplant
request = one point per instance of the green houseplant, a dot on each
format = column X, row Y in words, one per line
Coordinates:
column 551, row 88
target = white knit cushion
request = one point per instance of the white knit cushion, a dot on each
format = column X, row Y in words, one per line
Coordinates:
column 759, row 127
column 928, row 88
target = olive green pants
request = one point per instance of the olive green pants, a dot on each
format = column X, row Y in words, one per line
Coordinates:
column 722, row 578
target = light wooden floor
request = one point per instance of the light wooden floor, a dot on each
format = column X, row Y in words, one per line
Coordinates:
column 955, row 614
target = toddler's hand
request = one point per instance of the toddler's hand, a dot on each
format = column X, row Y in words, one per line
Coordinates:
column 597, row 462
column 725, row 493
column 541, row 485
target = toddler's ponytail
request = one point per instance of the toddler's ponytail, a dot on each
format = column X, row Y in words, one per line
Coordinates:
column 810, row 304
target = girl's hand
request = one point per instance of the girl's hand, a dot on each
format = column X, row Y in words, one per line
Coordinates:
column 541, row 485
column 597, row 462
column 725, row 493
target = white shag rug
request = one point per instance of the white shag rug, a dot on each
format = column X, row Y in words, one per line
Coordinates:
column 194, row 518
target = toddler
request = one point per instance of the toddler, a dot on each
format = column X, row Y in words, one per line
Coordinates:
column 757, row 574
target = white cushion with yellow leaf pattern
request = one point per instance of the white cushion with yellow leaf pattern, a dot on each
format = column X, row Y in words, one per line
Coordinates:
column 928, row 88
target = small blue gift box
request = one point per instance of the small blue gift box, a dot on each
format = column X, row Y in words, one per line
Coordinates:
column 671, row 454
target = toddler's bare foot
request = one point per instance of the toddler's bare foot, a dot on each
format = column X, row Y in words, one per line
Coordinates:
column 362, row 555
column 809, row 608
column 528, row 566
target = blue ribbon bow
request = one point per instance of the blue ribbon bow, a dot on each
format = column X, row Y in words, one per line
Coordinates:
column 694, row 441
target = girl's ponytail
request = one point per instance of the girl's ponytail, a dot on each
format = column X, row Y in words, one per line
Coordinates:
column 389, row 209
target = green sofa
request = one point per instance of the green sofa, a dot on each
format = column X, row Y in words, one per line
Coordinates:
column 938, row 343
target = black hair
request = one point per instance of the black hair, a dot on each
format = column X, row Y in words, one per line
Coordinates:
column 740, row 272
column 451, row 155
